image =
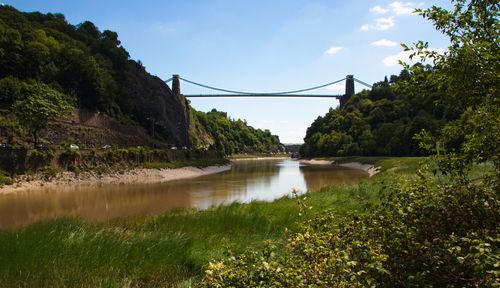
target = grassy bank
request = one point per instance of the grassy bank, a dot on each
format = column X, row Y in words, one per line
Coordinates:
column 168, row 250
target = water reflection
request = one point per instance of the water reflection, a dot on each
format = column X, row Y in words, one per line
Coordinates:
column 246, row 181
column 318, row 176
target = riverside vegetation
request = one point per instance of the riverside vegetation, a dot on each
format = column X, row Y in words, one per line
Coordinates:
column 171, row 249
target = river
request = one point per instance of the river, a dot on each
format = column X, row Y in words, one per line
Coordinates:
column 246, row 181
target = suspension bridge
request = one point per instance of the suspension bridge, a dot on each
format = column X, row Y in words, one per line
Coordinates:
column 302, row 93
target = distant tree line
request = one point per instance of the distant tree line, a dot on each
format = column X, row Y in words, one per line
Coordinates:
column 236, row 136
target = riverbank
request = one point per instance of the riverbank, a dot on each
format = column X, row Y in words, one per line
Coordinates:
column 133, row 176
column 149, row 173
column 368, row 168
column 371, row 169
column 173, row 249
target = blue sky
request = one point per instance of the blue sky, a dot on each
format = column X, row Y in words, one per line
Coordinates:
column 259, row 46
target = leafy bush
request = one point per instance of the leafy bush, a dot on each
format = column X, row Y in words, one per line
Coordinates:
column 40, row 158
column 5, row 179
column 133, row 154
column 49, row 172
column 428, row 231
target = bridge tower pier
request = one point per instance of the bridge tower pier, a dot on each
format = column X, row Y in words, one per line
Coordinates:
column 349, row 90
column 176, row 85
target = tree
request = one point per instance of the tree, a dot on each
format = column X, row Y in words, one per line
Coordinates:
column 40, row 105
column 468, row 75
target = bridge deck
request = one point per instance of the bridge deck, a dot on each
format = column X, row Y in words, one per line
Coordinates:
column 263, row 95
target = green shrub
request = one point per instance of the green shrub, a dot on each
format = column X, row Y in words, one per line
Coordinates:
column 74, row 169
column 427, row 232
column 49, row 172
column 40, row 158
column 5, row 179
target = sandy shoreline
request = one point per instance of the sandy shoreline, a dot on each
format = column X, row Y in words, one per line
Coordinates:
column 368, row 168
column 138, row 175
column 316, row 162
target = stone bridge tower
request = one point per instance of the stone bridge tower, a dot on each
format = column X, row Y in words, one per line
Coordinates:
column 349, row 90
column 176, row 85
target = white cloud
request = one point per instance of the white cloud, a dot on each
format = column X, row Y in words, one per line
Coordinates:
column 397, row 7
column 380, row 24
column 378, row 10
column 404, row 56
column 334, row 50
column 384, row 43
column 336, row 88
column 393, row 60
column 404, row 8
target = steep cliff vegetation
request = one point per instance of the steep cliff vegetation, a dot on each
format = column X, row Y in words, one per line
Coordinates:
column 384, row 120
column 89, row 67
column 90, row 70
column 235, row 136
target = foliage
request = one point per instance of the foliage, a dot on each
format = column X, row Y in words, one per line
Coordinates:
column 424, row 233
column 49, row 172
column 78, row 61
column 135, row 154
column 38, row 106
column 5, row 179
column 9, row 128
column 40, row 158
column 236, row 136
column 471, row 64
column 382, row 121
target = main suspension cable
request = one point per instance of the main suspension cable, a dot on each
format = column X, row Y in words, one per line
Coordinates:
column 260, row 93
column 363, row 83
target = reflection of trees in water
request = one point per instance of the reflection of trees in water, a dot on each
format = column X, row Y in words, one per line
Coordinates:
column 257, row 168
column 318, row 176
column 243, row 174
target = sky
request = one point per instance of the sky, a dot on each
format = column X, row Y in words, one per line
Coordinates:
column 260, row 46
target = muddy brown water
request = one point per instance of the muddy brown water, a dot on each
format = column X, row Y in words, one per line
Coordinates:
column 246, row 181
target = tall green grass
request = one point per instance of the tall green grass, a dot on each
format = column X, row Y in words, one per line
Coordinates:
column 167, row 250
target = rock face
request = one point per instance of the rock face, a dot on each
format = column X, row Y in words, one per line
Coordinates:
column 168, row 113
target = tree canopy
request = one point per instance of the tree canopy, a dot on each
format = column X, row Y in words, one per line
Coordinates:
column 39, row 105
column 382, row 121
